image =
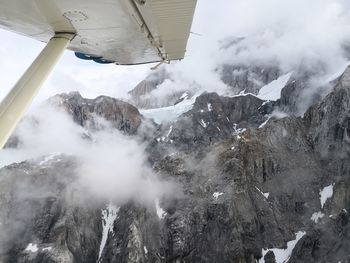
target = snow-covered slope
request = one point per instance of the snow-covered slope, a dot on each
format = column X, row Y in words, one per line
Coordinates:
column 272, row 91
column 167, row 114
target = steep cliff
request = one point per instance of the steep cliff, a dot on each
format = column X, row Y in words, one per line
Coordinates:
column 253, row 188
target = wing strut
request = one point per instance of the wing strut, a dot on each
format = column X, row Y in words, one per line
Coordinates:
column 20, row 97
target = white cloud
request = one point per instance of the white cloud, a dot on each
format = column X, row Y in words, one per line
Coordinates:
column 113, row 166
column 288, row 32
column 295, row 32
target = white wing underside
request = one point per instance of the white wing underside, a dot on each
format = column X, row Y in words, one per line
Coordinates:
column 122, row 31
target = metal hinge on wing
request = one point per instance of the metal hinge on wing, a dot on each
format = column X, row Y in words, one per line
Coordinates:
column 156, row 43
column 144, row 28
column 160, row 63
column 141, row 2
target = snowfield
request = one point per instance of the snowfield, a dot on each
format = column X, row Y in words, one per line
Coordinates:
column 108, row 217
column 283, row 255
column 325, row 194
column 170, row 113
column 272, row 91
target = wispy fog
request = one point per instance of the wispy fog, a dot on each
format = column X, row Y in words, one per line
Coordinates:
column 287, row 33
column 110, row 165
column 290, row 34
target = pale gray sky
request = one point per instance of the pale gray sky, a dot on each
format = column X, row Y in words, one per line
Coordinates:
column 288, row 31
column 17, row 53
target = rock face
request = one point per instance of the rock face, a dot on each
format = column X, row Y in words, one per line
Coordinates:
column 247, row 191
column 297, row 96
column 39, row 222
column 140, row 95
column 249, row 79
column 85, row 112
column 213, row 118
column 146, row 94
column 291, row 94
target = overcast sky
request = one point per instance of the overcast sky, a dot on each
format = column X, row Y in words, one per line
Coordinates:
column 287, row 31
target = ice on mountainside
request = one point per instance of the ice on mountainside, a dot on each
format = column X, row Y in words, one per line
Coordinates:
column 170, row 130
column 272, row 91
column 160, row 211
column 184, row 96
column 203, row 124
column 108, row 217
column 216, row 195
column 317, row 216
column 265, row 122
column 283, row 255
column 167, row 114
column 50, row 157
column 32, row 248
column 266, row 195
column 325, row 194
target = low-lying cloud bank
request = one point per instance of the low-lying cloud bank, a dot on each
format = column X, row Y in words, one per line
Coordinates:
column 111, row 165
column 311, row 36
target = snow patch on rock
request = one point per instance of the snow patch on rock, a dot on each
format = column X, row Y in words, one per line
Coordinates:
column 108, row 217
column 272, row 91
column 203, row 124
column 325, row 194
column 266, row 195
column 50, row 157
column 317, row 216
column 160, row 211
column 265, row 122
column 283, row 255
column 216, row 195
column 184, row 96
column 32, row 248
column 170, row 113
column 170, row 130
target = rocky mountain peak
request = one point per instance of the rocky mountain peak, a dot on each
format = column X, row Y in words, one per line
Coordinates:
column 345, row 78
column 253, row 188
column 249, row 79
column 121, row 115
column 145, row 95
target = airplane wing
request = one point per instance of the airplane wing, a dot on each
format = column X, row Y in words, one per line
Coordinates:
column 126, row 32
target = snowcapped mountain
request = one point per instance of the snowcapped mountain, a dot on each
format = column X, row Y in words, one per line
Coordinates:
column 239, row 153
column 245, row 184
column 294, row 88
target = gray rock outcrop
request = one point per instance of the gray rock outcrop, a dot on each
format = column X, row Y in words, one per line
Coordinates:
column 245, row 190
column 121, row 115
